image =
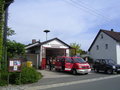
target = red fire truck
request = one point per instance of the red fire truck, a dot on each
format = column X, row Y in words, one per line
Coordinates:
column 72, row 64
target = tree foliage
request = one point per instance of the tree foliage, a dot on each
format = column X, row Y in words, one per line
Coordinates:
column 30, row 75
column 10, row 32
column 14, row 48
column 1, row 28
column 76, row 49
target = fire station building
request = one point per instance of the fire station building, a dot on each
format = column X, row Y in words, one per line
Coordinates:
column 39, row 52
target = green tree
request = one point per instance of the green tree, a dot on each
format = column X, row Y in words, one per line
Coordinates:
column 76, row 49
column 83, row 52
column 10, row 32
column 15, row 49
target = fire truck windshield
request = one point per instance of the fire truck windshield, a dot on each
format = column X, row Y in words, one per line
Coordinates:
column 79, row 60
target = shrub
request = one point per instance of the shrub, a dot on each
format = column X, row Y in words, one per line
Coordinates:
column 14, row 77
column 3, row 82
column 3, row 78
column 29, row 75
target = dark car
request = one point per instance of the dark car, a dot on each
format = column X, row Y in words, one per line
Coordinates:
column 106, row 65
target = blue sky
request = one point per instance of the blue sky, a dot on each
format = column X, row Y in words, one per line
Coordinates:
column 70, row 20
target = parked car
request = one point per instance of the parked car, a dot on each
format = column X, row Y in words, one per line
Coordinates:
column 106, row 65
column 72, row 64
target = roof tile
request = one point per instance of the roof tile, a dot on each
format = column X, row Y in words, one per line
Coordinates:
column 113, row 34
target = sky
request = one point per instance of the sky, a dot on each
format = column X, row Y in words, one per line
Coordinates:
column 72, row 21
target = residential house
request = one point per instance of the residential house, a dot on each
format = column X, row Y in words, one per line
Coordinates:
column 106, row 45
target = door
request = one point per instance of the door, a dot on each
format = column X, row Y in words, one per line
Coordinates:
column 103, row 64
column 68, row 64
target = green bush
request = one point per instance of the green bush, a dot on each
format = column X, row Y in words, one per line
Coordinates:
column 3, row 78
column 29, row 75
column 14, row 77
column 3, row 82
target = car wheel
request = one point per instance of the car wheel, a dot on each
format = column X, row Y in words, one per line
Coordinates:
column 57, row 70
column 110, row 71
column 86, row 73
column 96, row 70
column 118, row 72
column 105, row 71
column 74, row 71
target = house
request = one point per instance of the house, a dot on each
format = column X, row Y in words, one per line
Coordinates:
column 40, row 52
column 106, row 45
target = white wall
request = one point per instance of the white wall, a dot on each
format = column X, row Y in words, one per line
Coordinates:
column 55, row 44
column 67, row 52
column 104, row 53
column 40, row 56
column 52, row 44
column 118, row 52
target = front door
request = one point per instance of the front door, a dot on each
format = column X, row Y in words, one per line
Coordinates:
column 68, row 64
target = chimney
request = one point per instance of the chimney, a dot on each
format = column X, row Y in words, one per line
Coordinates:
column 33, row 41
column 112, row 30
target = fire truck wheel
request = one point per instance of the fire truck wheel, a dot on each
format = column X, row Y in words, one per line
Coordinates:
column 74, row 71
column 58, row 70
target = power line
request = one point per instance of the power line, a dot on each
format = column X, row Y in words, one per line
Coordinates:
column 81, row 5
column 99, row 13
column 77, row 6
column 93, row 10
column 90, row 10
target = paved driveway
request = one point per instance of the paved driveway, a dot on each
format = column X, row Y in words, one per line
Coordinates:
column 54, row 74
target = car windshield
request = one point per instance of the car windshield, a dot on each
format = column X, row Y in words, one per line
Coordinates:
column 69, row 60
column 79, row 60
column 110, row 61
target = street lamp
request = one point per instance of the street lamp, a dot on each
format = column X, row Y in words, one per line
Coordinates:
column 46, row 31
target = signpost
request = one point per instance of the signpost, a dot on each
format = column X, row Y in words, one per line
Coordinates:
column 14, row 66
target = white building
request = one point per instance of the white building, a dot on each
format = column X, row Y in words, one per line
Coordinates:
column 39, row 52
column 106, row 45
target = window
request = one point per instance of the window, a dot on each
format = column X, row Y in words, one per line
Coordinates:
column 103, row 61
column 106, row 46
column 79, row 60
column 97, row 61
column 97, row 47
column 109, row 61
column 101, row 36
column 68, row 60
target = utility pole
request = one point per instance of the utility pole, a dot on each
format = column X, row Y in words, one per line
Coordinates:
column 6, row 6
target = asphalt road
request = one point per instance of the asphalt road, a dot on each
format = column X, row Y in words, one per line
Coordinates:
column 66, row 81
column 107, row 84
column 64, row 77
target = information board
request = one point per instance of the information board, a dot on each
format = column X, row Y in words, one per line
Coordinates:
column 14, row 65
